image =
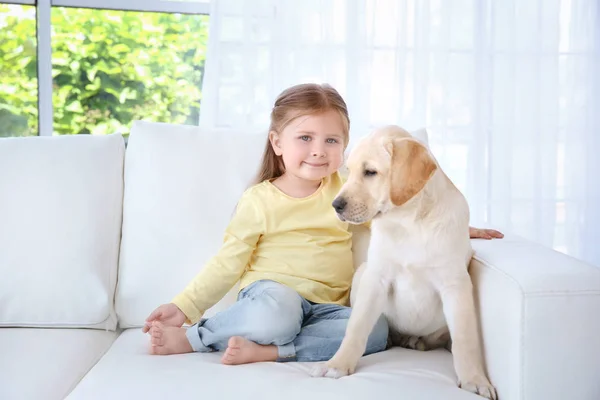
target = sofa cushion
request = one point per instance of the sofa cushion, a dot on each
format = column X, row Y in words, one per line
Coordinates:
column 128, row 372
column 60, row 227
column 181, row 187
column 47, row 363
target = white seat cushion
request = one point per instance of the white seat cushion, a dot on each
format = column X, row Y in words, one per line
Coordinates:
column 47, row 363
column 393, row 374
column 181, row 187
column 60, row 227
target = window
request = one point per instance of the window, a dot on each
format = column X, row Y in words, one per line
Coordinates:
column 98, row 65
column 18, row 71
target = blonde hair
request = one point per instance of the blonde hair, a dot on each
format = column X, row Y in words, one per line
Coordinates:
column 297, row 101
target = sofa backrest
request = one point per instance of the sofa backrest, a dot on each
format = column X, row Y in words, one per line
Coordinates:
column 60, row 225
column 181, row 188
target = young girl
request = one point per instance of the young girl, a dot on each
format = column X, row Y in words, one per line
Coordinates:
column 285, row 245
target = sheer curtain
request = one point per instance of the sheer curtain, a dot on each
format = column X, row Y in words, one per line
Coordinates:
column 508, row 91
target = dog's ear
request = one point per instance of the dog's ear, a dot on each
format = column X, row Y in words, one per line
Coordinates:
column 411, row 168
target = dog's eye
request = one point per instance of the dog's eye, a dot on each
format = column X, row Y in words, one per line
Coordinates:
column 370, row 172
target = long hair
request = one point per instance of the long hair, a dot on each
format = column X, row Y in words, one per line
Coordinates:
column 296, row 101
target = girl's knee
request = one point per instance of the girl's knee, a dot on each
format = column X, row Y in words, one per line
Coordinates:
column 276, row 316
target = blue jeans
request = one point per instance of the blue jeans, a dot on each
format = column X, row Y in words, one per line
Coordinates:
column 270, row 313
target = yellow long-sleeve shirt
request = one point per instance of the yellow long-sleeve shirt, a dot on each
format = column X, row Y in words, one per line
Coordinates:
column 298, row 242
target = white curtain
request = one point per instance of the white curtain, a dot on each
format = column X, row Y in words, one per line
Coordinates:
column 509, row 92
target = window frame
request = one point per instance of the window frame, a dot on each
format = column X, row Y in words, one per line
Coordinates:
column 44, row 33
column 167, row 6
column 24, row 2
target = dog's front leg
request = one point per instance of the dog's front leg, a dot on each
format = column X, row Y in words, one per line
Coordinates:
column 368, row 307
column 459, row 310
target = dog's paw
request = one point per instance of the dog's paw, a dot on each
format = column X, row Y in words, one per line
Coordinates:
column 331, row 370
column 480, row 386
column 413, row 343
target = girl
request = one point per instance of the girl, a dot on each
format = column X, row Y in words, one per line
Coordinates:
column 285, row 245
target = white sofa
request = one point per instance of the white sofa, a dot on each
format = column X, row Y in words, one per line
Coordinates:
column 93, row 237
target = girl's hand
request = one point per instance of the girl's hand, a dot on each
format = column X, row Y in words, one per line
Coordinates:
column 476, row 233
column 168, row 314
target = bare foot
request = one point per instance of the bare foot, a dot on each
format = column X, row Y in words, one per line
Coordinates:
column 243, row 351
column 168, row 340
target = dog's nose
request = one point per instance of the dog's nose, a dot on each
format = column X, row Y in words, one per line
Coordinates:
column 339, row 204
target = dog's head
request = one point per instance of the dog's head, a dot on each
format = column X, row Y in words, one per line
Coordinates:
column 386, row 169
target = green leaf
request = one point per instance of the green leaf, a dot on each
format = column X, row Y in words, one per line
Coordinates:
column 75, row 107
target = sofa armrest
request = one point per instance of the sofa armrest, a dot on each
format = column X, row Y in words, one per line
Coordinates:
column 539, row 312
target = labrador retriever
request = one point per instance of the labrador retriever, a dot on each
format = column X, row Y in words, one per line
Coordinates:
column 416, row 273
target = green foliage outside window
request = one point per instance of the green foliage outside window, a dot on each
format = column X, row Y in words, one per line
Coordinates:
column 108, row 67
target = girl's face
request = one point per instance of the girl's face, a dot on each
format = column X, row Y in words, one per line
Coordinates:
column 311, row 146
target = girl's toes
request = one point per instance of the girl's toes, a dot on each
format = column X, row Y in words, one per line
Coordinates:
column 157, row 341
column 157, row 324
